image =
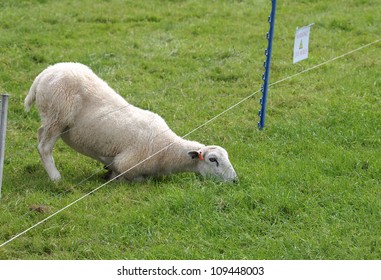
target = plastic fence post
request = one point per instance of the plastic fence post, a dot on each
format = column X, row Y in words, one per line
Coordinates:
column 266, row 65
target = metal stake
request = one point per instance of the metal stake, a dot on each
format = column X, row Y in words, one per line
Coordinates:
column 3, row 126
column 266, row 65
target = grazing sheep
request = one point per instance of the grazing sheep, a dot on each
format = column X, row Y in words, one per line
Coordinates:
column 94, row 120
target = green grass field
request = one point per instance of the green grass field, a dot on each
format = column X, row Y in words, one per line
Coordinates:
column 310, row 182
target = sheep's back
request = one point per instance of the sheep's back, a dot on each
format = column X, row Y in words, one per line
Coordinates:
column 109, row 130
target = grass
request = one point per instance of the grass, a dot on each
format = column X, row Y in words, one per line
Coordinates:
column 309, row 183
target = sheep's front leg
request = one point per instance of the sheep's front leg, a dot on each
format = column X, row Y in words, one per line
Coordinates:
column 46, row 140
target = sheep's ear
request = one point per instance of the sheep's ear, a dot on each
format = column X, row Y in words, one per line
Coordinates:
column 196, row 154
column 193, row 154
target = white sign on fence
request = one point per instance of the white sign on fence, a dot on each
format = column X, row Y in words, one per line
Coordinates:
column 302, row 36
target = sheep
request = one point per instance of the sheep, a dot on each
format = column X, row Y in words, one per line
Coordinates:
column 76, row 105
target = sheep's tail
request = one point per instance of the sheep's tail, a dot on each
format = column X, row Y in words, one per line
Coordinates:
column 31, row 97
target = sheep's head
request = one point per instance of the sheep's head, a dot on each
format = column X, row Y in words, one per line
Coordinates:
column 213, row 161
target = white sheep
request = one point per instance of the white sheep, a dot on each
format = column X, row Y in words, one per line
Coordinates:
column 78, row 106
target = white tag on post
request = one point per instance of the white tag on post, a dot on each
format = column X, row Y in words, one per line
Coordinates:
column 302, row 36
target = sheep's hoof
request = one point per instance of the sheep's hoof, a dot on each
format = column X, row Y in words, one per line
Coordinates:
column 55, row 177
column 111, row 175
column 108, row 175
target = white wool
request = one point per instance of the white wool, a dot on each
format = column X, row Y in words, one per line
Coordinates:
column 78, row 106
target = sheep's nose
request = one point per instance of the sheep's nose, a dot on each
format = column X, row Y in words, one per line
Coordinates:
column 233, row 179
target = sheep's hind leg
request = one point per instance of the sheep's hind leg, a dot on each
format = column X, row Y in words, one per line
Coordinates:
column 47, row 137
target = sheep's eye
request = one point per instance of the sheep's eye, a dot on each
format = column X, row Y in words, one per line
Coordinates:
column 213, row 160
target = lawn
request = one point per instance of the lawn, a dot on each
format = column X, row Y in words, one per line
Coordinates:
column 310, row 182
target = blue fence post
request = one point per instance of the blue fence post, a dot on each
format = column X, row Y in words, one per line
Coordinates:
column 266, row 65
